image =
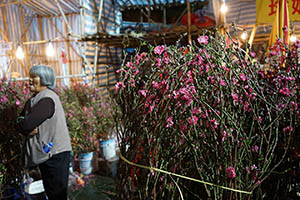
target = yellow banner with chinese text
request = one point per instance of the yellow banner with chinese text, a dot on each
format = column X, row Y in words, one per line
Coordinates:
column 266, row 10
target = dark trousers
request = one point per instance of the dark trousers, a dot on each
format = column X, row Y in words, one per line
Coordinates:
column 55, row 175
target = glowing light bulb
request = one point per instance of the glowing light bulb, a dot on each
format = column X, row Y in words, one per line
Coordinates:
column 19, row 53
column 293, row 38
column 50, row 50
column 244, row 35
column 223, row 8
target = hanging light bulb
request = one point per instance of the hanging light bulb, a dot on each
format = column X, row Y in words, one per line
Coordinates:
column 50, row 50
column 223, row 8
column 19, row 53
column 293, row 38
column 244, row 35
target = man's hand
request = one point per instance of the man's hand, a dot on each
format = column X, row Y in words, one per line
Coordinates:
column 35, row 131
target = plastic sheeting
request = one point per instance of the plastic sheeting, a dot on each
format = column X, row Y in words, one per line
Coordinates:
column 44, row 23
column 37, row 28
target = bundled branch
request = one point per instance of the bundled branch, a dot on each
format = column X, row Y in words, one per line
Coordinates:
column 207, row 111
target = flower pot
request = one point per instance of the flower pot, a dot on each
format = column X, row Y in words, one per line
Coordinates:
column 108, row 148
column 86, row 162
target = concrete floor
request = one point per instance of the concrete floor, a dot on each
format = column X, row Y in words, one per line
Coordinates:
column 96, row 188
column 100, row 185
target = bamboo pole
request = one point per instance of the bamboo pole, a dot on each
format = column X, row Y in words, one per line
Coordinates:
column 107, row 67
column 66, row 39
column 180, row 16
column 165, row 15
column 57, row 77
column 74, row 35
column 63, row 15
column 252, row 36
column 69, row 56
column 96, row 48
column 26, row 29
column 41, row 10
column 82, row 27
column 82, row 46
column 70, row 30
column 10, row 63
column 188, row 4
column 66, row 4
column 4, row 36
column 22, row 65
column 99, row 15
column 42, row 38
column 221, row 19
column 37, row 42
column 55, row 16
column 26, row 67
column 149, row 13
column 82, row 24
column 5, row 23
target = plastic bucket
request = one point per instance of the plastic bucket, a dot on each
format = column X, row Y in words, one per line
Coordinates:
column 108, row 148
column 85, row 162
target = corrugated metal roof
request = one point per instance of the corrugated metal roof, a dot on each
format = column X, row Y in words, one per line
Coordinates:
column 50, row 8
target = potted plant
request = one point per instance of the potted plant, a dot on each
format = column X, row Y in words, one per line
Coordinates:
column 107, row 118
column 90, row 119
column 81, row 124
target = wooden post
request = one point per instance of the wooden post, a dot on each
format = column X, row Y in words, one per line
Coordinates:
column 42, row 38
column 188, row 4
column 27, row 65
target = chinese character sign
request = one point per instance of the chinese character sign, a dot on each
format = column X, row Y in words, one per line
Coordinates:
column 280, row 28
column 266, row 10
